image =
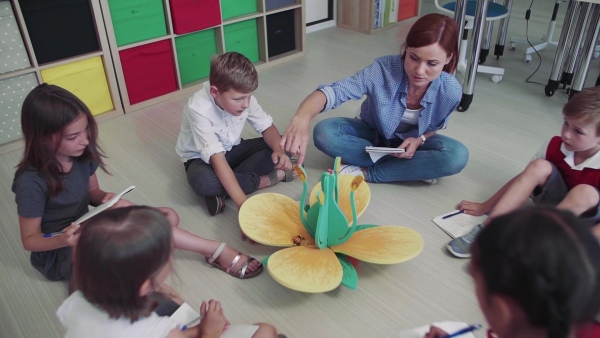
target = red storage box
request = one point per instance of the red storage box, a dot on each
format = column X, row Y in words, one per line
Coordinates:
column 407, row 9
column 149, row 71
column 193, row 15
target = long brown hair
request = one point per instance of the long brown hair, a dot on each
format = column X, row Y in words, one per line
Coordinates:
column 435, row 28
column 47, row 109
column 117, row 252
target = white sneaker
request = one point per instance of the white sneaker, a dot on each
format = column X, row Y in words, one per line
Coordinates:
column 349, row 169
column 431, row 181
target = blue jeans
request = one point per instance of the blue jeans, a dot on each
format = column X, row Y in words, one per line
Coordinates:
column 347, row 137
column 249, row 160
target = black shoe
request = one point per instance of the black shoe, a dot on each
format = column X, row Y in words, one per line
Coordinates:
column 215, row 205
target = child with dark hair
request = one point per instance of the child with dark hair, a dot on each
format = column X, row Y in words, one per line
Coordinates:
column 218, row 162
column 537, row 274
column 123, row 255
column 56, row 181
column 565, row 172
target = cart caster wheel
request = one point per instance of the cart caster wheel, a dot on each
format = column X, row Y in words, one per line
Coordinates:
column 513, row 45
column 549, row 91
column 496, row 78
column 527, row 58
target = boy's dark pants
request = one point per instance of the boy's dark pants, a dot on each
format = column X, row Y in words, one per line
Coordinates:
column 249, row 160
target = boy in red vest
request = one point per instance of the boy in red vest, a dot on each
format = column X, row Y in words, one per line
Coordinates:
column 565, row 173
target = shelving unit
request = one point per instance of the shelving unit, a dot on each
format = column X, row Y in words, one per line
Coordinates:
column 173, row 58
column 358, row 15
column 42, row 43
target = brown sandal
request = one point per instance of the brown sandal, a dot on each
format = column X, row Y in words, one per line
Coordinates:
column 239, row 273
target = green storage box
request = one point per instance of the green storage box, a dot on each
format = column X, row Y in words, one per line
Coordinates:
column 193, row 54
column 137, row 20
column 242, row 37
column 232, row 8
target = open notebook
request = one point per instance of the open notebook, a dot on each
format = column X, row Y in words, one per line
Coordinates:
column 186, row 315
column 378, row 152
column 448, row 326
column 457, row 224
column 103, row 206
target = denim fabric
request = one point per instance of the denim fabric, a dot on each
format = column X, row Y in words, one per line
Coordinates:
column 385, row 84
column 249, row 160
column 346, row 137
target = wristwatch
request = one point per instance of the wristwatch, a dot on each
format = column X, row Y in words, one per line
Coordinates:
column 423, row 138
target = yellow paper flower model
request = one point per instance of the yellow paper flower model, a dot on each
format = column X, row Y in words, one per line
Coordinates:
column 318, row 238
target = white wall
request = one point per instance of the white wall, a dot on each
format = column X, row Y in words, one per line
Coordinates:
column 316, row 10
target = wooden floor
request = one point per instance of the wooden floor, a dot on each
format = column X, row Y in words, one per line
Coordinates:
column 504, row 126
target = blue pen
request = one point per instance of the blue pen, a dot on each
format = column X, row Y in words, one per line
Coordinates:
column 52, row 234
column 453, row 214
column 467, row 329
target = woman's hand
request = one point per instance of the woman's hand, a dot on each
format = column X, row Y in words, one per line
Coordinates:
column 213, row 321
column 409, row 145
column 281, row 160
column 435, row 332
column 295, row 138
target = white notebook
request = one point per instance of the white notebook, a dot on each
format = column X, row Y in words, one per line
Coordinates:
column 103, row 206
column 448, row 326
column 378, row 152
column 457, row 224
column 186, row 315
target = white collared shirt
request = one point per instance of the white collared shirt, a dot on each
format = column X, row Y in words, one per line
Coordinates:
column 206, row 129
column 593, row 162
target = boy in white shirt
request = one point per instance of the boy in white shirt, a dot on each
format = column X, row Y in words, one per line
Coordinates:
column 217, row 161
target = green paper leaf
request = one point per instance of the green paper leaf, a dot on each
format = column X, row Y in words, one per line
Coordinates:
column 365, row 226
column 312, row 217
column 265, row 261
column 350, row 276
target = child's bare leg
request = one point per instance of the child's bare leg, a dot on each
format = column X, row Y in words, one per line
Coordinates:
column 265, row 331
column 185, row 240
column 580, row 199
column 535, row 174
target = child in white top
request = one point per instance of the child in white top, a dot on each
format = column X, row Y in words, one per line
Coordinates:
column 122, row 256
column 218, row 162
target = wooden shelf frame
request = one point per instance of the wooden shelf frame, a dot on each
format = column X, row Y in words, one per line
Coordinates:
column 357, row 15
column 104, row 53
column 183, row 89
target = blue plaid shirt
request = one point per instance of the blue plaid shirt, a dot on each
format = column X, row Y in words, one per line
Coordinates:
column 386, row 85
